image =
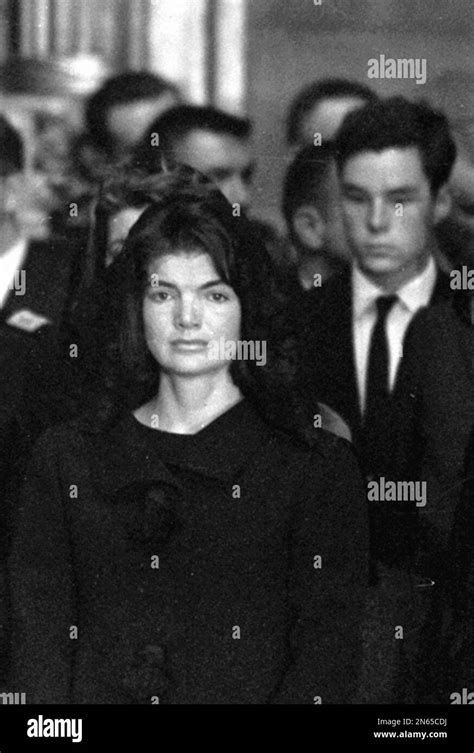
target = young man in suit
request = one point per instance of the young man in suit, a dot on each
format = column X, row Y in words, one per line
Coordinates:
column 394, row 159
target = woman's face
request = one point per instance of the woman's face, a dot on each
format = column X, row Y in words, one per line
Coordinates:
column 188, row 311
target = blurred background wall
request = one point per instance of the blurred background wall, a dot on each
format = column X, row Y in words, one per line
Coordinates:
column 292, row 43
column 247, row 56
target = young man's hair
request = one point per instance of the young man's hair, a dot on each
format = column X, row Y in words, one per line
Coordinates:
column 120, row 90
column 176, row 123
column 307, row 99
column 305, row 180
column 11, row 149
column 398, row 123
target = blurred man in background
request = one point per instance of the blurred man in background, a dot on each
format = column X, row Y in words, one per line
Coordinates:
column 312, row 210
column 118, row 114
column 452, row 91
column 320, row 108
column 211, row 141
column 116, row 117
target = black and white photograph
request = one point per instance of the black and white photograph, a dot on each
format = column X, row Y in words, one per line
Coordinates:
column 237, row 368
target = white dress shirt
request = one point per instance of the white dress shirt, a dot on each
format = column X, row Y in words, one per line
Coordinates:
column 412, row 296
column 10, row 264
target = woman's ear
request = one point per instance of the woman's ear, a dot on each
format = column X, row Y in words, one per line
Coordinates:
column 309, row 227
column 442, row 206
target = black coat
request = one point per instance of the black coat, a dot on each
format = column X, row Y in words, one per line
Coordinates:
column 238, row 610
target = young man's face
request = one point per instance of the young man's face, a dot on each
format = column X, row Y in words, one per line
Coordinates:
column 225, row 159
column 389, row 214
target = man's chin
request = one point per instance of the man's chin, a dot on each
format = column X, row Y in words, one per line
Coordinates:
column 380, row 268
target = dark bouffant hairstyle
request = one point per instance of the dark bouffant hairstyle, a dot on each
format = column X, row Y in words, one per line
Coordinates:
column 190, row 214
column 193, row 215
column 307, row 99
column 397, row 122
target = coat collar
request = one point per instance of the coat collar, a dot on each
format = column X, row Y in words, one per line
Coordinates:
column 135, row 453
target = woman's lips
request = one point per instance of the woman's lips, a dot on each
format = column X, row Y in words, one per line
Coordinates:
column 189, row 345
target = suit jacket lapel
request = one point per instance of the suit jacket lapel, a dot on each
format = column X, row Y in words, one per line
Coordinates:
column 441, row 292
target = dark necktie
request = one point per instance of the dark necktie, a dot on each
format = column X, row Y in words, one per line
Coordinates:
column 376, row 434
column 376, row 421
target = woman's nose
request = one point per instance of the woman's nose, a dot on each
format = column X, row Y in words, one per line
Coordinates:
column 188, row 313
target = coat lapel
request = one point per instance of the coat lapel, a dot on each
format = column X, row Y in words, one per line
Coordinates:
column 329, row 353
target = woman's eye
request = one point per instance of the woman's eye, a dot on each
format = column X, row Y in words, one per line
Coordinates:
column 219, row 297
column 159, row 295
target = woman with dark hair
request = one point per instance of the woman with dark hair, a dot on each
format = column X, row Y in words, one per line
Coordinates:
column 189, row 544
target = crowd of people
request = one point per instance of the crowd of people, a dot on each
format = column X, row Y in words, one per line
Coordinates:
column 237, row 467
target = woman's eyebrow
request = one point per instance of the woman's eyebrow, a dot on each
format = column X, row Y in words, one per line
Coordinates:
column 164, row 283
column 212, row 283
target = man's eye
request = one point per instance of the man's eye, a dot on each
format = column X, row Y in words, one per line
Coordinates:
column 400, row 199
column 355, row 198
column 218, row 176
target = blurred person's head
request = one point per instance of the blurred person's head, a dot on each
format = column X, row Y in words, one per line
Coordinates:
column 312, row 210
column 461, row 186
column 210, row 141
column 118, row 114
column 394, row 160
column 451, row 90
column 11, row 167
column 321, row 107
column 122, row 196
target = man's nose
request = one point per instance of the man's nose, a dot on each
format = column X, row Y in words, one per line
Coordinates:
column 188, row 313
column 378, row 215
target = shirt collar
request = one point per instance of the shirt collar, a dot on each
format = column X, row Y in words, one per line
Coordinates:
column 413, row 295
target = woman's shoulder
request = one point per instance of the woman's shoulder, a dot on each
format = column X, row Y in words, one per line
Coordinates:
column 86, row 429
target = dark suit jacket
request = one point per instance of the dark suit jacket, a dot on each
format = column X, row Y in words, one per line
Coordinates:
column 226, row 561
column 328, row 374
column 31, row 358
column 32, row 387
column 328, row 364
column 435, row 402
column 50, row 268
